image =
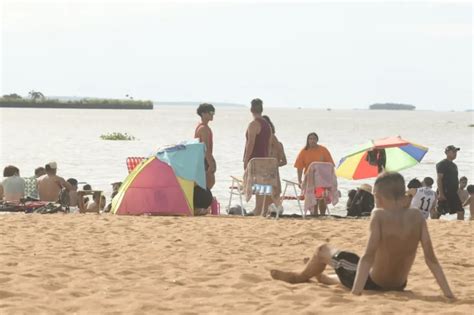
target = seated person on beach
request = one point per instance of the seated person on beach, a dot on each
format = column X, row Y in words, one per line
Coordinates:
column 73, row 198
column 395, row 232
column 363, row 202
column 202, row 200
column 115, row 189
column 95, row 205
column 470, row 201
column 31, row 183
column 351, row 194
column 424, row 198
column 312, row 152
column 412, row 186
column 86, row 187
column 13, row 186
column 50, row 184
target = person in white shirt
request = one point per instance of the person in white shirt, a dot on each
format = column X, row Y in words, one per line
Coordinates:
column 13, row 185
column 424, row 198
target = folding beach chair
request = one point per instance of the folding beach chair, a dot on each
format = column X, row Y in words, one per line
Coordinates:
column 297, row 196
column 262, row 178
column 236, row 188
column 133, row 162
column 320, row 183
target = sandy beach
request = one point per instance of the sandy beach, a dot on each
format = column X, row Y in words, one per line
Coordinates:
column 91, row 264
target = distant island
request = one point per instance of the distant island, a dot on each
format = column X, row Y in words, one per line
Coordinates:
column 392, row 106
column 38, row 100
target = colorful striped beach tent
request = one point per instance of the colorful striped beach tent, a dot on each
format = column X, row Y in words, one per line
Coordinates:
column 390, row 154
column 163, row 184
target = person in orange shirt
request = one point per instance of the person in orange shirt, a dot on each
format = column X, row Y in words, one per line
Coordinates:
column 312, row 152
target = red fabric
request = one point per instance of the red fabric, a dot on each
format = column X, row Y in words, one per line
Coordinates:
column 389, row 142
column 365, row 170
column 133, row 162
column 319, row 192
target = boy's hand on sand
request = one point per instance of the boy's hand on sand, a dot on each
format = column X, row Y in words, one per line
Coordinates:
column 451, row 297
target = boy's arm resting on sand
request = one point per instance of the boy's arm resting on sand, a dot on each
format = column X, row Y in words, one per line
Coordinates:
column 432, row 261
column 367, row 259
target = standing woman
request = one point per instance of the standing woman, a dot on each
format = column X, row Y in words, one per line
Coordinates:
column 312, row 152
column 276, row 147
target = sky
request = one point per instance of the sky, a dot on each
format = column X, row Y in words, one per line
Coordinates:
column 304, row 54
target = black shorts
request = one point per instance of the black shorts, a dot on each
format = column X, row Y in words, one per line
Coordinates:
column 345, row 265
column 451, row 205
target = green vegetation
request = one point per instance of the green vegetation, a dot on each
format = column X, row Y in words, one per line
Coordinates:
column 392, row 106
column 117, row 136
column 38, row 100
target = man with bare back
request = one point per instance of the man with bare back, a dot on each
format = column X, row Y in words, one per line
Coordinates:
column 50, row 184
column 395, row 232
column 204, row 133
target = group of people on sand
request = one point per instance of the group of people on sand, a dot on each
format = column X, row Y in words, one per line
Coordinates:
column 261, row 142
column 46, row 185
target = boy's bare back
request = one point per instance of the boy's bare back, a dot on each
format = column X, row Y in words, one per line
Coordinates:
column 400, row 233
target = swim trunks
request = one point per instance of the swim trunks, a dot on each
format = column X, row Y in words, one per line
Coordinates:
column 451, row 205
column 345, row 265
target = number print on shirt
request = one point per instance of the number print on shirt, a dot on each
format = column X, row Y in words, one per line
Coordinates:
column 428, row 201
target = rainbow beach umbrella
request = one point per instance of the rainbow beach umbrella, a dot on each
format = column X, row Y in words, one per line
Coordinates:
column 390, row 154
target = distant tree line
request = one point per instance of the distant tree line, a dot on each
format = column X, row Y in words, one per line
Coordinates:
column 37, row 99
column 393, row 106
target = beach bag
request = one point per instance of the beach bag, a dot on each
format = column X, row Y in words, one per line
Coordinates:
column 215, row 207
column 236, row 210
column 202, row 198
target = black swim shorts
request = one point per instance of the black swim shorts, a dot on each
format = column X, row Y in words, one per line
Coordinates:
column 451, row 205
column 345, row 265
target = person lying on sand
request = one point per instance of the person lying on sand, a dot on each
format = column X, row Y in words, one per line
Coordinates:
column 395, row 232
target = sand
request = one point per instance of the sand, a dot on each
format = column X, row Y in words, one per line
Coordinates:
column 103, row 264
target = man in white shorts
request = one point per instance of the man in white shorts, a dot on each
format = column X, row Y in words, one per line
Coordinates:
column 424, row 198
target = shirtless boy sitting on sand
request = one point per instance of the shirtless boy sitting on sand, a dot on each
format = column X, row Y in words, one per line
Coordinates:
column 395, row 232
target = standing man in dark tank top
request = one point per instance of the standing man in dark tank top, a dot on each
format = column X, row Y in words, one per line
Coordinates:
column 257, row 144
column 258, row 134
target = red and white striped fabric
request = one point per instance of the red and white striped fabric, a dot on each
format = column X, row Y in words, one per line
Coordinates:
column 133, row 162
